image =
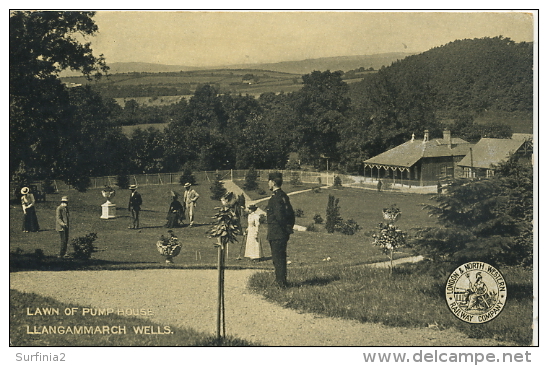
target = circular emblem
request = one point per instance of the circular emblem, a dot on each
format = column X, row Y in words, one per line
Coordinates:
column 476, row 292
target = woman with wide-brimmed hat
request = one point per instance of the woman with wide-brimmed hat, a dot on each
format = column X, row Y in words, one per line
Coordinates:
column 253, row 248
column 30, row 220
column 175, row 213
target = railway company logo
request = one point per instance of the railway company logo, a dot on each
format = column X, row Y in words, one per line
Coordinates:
column 476, row 292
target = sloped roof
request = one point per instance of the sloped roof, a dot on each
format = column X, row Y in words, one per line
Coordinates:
column 522, row 136
column 408, row 153
column 489, row 151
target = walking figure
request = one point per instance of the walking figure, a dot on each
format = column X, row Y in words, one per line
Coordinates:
column 189, row 199
column 62, row 225
column 134, row 207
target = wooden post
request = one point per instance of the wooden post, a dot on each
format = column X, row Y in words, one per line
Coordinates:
column 221, row 290
column 391, row 259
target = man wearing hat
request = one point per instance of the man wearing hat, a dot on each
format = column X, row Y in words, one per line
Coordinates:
column 190, row 196
column 135, row 202
column 280, row 219
column 62, row 224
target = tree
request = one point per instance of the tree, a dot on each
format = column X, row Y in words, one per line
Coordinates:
column 484, row 219
column 187, row 176
column 202, row 125
column 100, row 147
column 321, row 107
column 147, row 150
column 251, row 180
column 42, row 44
column 217, row 188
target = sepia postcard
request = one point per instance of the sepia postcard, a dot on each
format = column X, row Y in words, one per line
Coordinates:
column 347, row 186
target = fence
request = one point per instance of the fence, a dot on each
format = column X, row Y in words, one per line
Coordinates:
column 308, row 177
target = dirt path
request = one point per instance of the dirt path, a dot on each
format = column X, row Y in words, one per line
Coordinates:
column 187, row 298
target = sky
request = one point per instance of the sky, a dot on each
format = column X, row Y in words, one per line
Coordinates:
column 210, row 38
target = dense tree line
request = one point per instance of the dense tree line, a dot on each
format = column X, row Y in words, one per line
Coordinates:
column 74, row 133
column 134, row 91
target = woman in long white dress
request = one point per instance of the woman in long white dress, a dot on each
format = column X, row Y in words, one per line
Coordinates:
column 253, row 249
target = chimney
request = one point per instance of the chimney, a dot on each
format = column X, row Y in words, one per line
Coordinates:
column 447, row 137
column 425, row 136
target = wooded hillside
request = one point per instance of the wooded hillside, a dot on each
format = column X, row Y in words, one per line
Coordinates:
column 465, row 77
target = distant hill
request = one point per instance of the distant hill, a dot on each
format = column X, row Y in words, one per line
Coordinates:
column 487, row 79
column 344, row 63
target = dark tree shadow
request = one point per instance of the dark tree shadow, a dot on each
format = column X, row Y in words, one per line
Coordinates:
column 316, row 281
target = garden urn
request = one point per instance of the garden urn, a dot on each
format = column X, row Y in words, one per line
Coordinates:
column 108, row 208
column 391, row 215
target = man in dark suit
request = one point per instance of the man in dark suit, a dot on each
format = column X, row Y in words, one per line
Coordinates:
column 135, row 202
column 280, row 220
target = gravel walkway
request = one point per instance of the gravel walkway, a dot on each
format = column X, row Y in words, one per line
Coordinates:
column 188, row 298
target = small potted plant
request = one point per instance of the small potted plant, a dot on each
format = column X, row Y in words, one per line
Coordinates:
column 392, row 213
column 108, row 192
column 169, row 247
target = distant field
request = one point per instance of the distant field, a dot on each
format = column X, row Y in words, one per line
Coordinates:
column 128, row 86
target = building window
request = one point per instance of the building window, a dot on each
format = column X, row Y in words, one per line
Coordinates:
column 443, row 171
column 490, row 173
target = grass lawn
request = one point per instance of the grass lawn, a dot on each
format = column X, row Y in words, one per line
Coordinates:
column 411, row 298
column 340, row 287
column 21, row 323
column 120, row 247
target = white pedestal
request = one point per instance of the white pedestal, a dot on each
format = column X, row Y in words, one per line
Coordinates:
column 109, row 210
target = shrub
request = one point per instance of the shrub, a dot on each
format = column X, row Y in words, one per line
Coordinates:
column 80, row 183
column 47, row 186
column 261, row 191
column 333, row 218
column 122, row 181
column 389, row 238
column 83, row 246
column 317, row 219
column 317, row 190
column 337, row 182
column 217, row 188
column 295, row 179
column 311, row 227
column 349, row 227
column 187, row 177
column 39, row 253
column 251, row 177
column 292, row 164
column 299, row 212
